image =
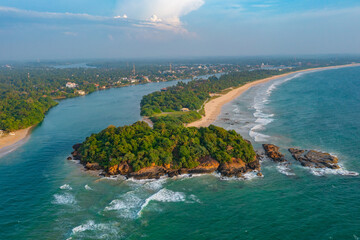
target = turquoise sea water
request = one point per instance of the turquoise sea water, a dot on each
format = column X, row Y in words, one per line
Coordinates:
column 44, row 196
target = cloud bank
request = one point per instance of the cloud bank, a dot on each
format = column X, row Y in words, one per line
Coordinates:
column 159, row 12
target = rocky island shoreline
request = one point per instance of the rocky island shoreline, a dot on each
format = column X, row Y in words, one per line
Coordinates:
column 235, row 168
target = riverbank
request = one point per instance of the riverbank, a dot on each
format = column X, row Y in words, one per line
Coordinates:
column 9, row 140
column 214, row 106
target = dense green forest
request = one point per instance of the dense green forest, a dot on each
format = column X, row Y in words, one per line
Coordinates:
column 141, row 146
column 28, row 90
column 26, row 93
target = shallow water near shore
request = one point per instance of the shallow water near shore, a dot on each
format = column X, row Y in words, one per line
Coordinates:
column 44, row 196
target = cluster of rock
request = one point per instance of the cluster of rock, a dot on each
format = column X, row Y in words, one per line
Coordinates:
column 307, row 158
column 273, row 152
column 314, row 159
column 235, row 168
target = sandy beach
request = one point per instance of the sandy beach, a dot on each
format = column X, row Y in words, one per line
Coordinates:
column 213, row 107
column 9, row 140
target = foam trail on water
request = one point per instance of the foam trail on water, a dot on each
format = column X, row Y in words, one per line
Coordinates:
column 127, row 205
column 328, row 171
column 89, row 226
column 87, row 187
column 285, row 170
column 164, row 195
column 66, row 187
column 92, row 230
column 262, row 118
column 64, row 199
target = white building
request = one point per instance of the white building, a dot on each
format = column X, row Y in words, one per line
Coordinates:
column 81, row 92
column 71, row 85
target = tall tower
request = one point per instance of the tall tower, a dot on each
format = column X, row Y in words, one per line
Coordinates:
column 170, row 67
column 134, row 71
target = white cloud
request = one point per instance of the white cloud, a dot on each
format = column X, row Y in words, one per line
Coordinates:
column 155, row 18
column 74, row 34
column 162, row 15
column 168, row 11
column 261, row 5
column 123, row 16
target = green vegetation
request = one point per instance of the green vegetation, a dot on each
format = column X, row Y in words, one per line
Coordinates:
column 169, row 142
column 18, row 111
column 141, row 146
column 193, row 94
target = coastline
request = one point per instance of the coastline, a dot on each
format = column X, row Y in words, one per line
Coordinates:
column 213, row 107
column 8, row 141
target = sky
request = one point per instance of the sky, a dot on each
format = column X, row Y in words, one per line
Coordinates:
column 80, row 29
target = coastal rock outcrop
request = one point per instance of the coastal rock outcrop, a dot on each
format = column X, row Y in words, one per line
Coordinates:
column 75, row 153
column 148, row 173
column 92, row 166
column 238, row 168
column 273, row 152
column 207, row 164
column 314, row 159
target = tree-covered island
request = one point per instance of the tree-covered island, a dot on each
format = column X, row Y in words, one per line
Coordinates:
column 166, row 149
column 170, row 148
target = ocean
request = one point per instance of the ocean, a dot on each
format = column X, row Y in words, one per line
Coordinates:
column 45, row 196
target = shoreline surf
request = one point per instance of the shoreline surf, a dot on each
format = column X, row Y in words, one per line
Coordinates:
column 214, row 106
column 9, row 142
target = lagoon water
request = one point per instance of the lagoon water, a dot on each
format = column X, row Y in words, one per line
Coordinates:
column 44, row 196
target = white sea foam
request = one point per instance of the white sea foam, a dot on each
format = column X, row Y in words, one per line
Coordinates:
column 89, row 226
column 66, row 187
column 127, row 205
column 258, row 137
column 164, row 195
column 87, row 187
column 193, row 198
column 97, row 230
column 262, row 118
column 328, row 171
column 247, row 176
column 155, row 185
column 285, row 170
column 64, row 199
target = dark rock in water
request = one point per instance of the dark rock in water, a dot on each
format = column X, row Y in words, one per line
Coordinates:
column 173, row 173
column 315, row 159
column 75, row 153
column 273, row 153
column 69, row 158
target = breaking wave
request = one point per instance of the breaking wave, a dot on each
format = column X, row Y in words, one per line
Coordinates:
column 66, row 187
column 284, row 169
column 92, row 230
column 327, row 171
column 64, row 199
column 262, row 118
column 164, row 195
